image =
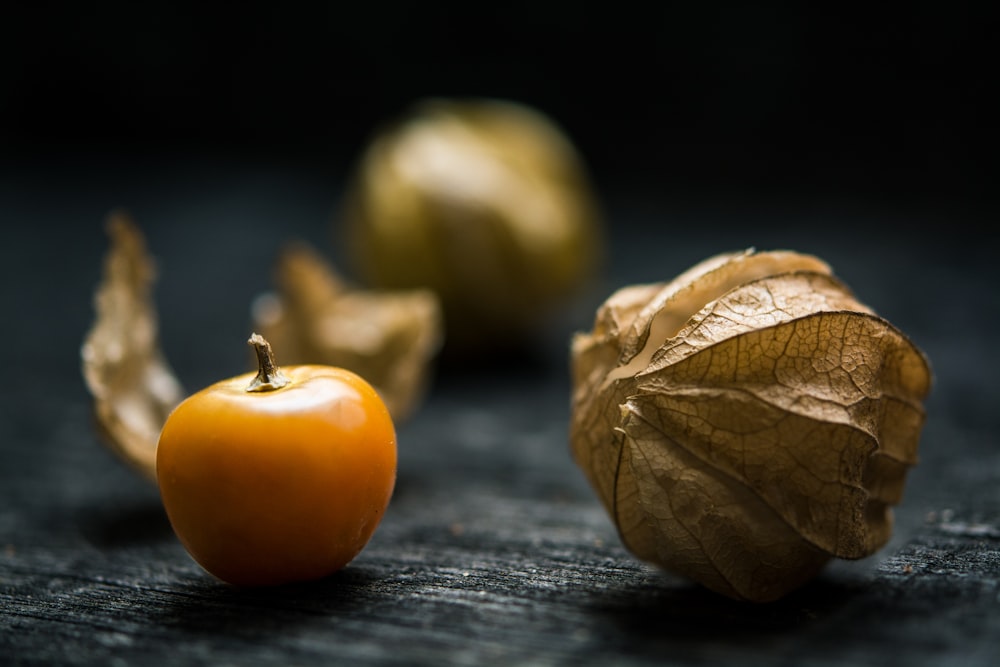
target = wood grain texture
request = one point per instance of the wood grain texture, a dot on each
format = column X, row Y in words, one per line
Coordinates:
column 494, row 551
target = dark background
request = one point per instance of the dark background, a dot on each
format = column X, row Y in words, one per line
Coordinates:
column 883, row 102
column 859, row 134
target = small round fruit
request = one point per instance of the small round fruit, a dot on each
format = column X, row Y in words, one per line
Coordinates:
column 277, row 478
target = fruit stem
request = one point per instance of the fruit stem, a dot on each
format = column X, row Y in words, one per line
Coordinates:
column 269, row 376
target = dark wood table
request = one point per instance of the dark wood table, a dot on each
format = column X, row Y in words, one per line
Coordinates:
column 494, row 549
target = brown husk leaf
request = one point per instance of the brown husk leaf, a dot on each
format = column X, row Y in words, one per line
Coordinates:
column 132, row 386
column 389, row 337
column 747, row 421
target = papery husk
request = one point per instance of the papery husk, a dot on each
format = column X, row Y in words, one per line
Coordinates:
column 132, row 386
column 747, row 421
column 389, row 337
column 484, row 201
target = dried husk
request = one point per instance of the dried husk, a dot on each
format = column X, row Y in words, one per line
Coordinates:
column 389, row 337
column 484, row 201
column 748, row 421
column 132, row 386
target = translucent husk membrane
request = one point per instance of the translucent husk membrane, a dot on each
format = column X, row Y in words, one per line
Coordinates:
column 747, row 421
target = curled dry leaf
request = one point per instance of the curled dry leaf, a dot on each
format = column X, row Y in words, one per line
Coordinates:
column 389, row 337
column 747, row 421
column 132, row 386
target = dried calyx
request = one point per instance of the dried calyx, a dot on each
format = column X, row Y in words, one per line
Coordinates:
column 747, row 421
column 132, row 385
column 389, row 338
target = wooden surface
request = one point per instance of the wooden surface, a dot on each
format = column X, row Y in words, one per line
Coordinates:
column 494, row 549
